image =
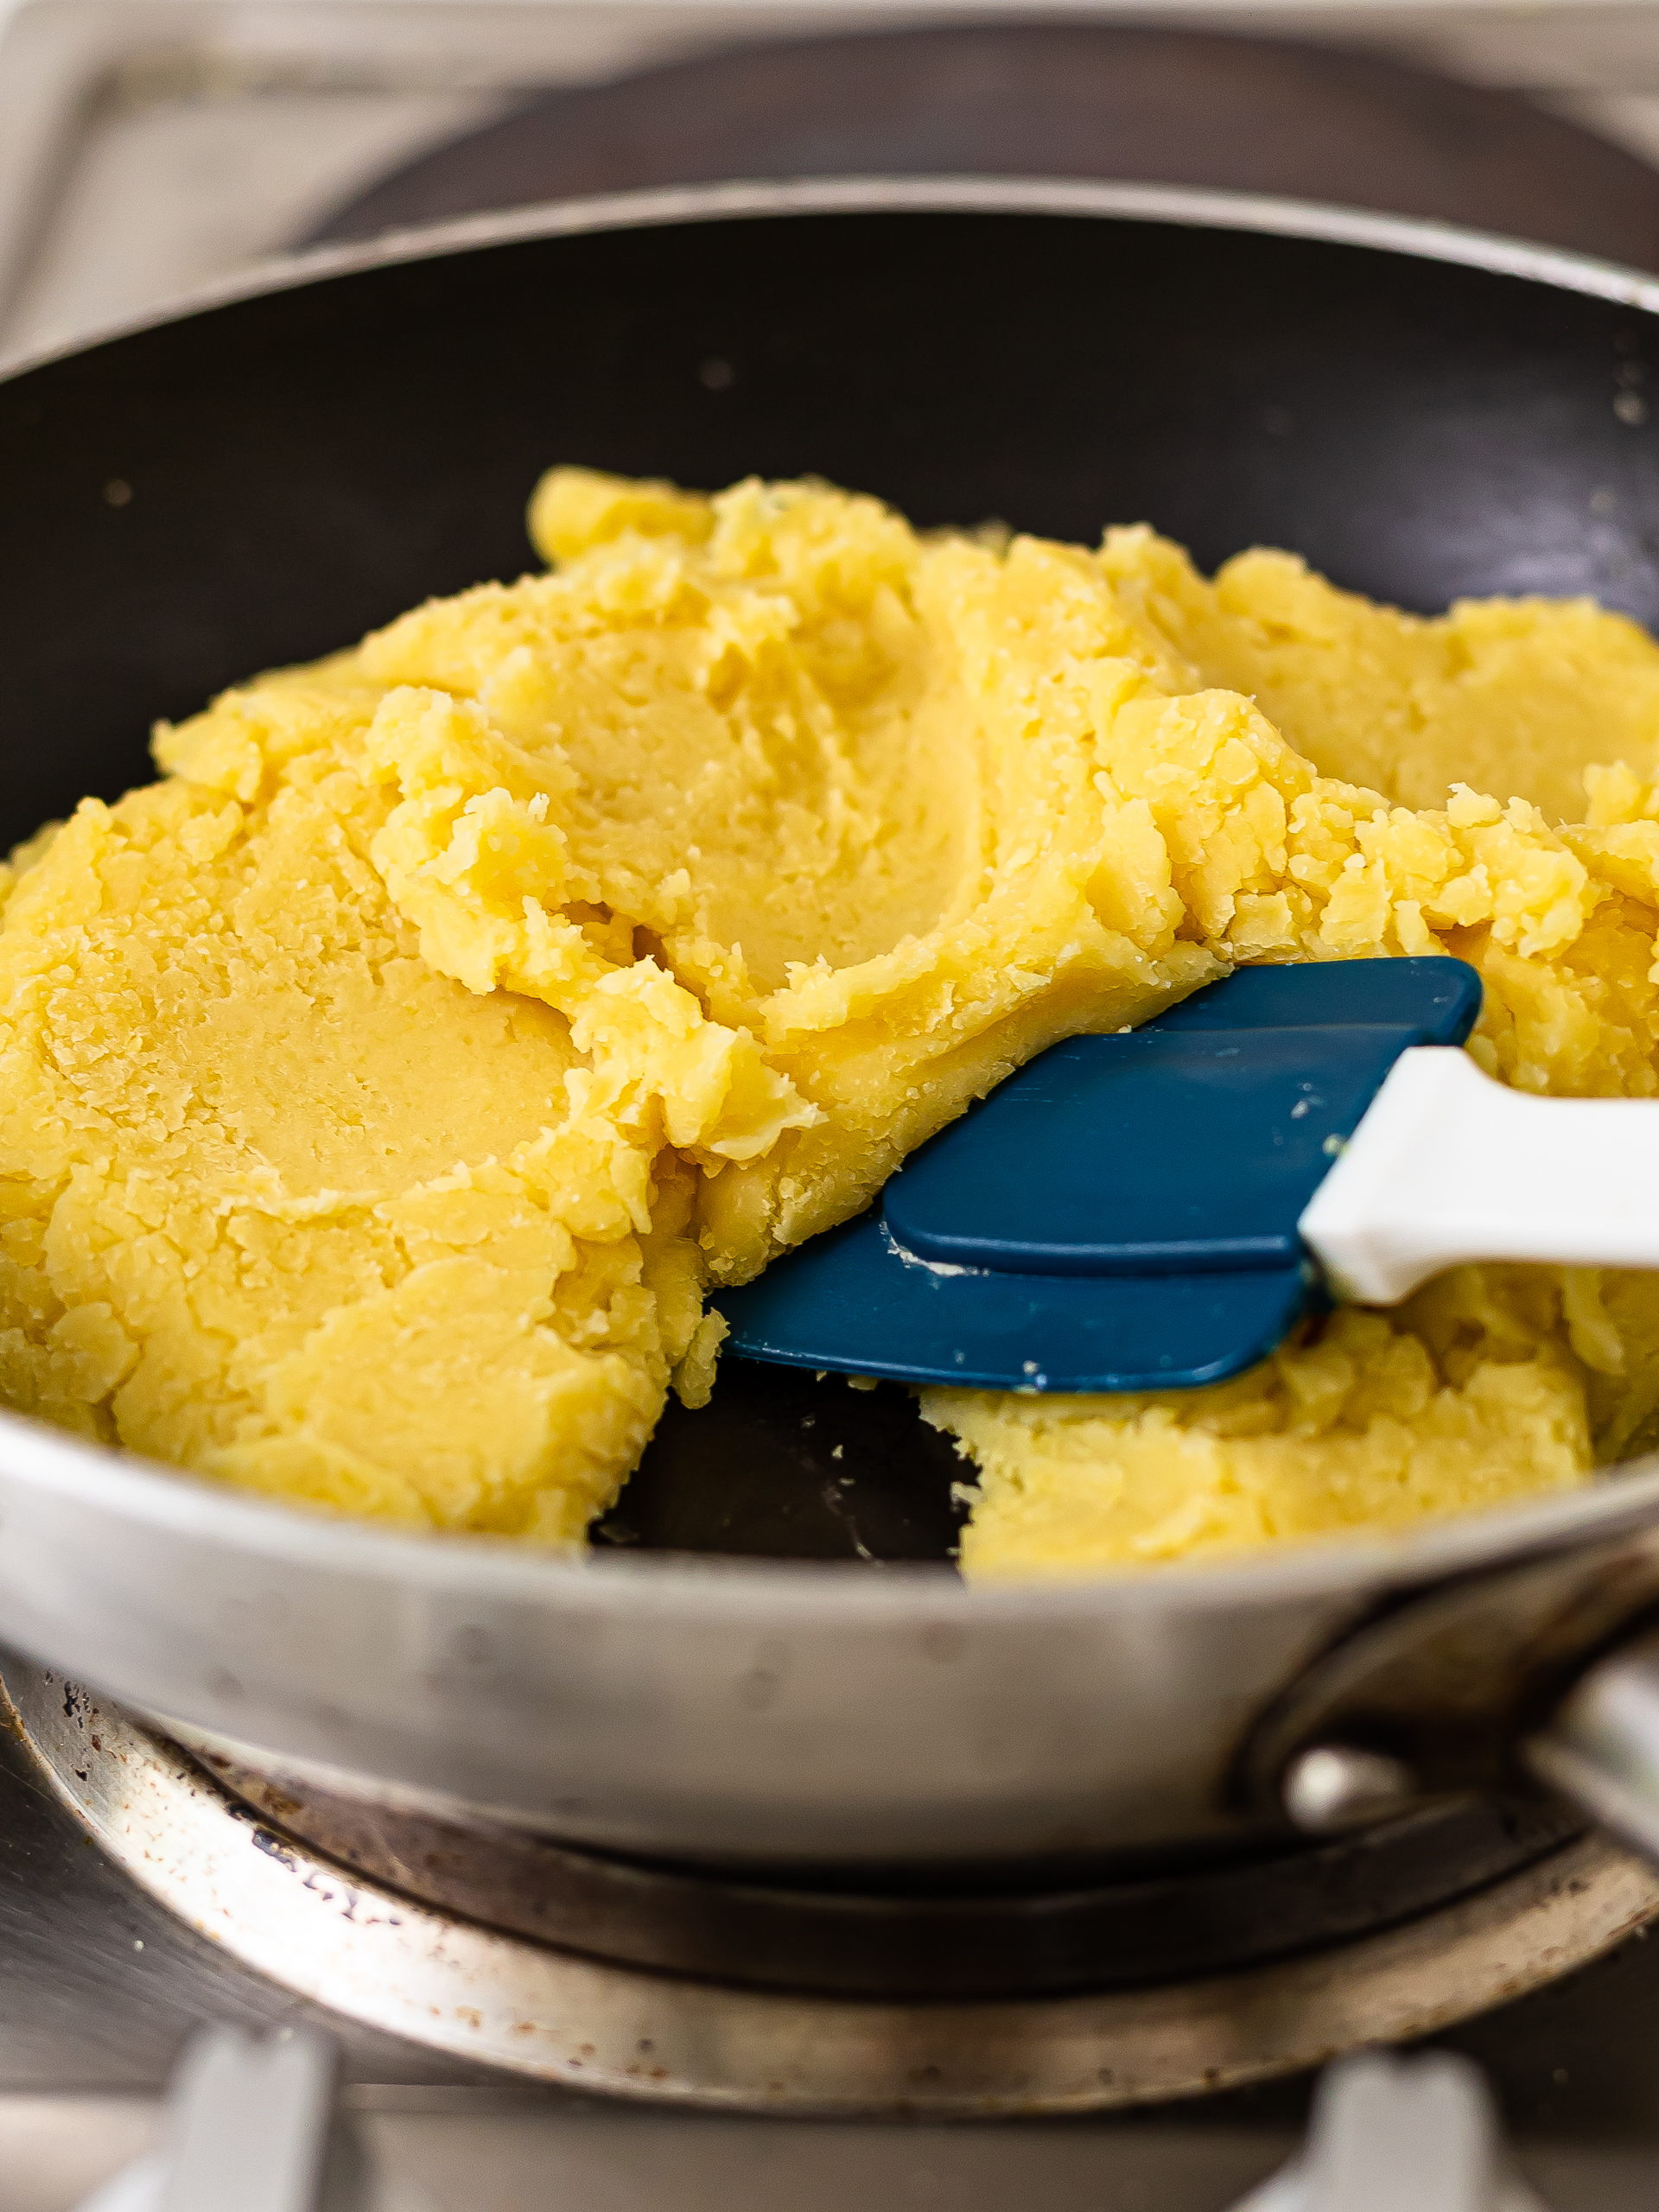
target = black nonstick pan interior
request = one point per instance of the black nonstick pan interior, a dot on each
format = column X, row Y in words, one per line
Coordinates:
column 264, row 481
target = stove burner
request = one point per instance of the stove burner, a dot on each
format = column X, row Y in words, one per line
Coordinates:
column 943, row 1933
column 483, row 1945
column 1051, row 99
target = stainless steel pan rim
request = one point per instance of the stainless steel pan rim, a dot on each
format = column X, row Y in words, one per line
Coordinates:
column 1426, row 239
column 163, row 1500
column 740, row 1709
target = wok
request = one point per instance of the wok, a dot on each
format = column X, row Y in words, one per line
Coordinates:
column 1421, row 411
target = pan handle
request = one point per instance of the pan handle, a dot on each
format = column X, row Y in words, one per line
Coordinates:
column 1600, row 1745
column 1549, row 1665
column 1598, row 1748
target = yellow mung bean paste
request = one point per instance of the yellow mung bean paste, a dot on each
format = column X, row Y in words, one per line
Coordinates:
column 383, row 1089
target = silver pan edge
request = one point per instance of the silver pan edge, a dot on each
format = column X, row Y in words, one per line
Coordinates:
column 721, row 1709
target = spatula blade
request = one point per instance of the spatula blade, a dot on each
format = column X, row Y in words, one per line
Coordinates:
column 854, row 1301
column 1121, row 1214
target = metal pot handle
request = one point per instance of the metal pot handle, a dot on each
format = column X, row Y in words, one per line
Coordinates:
column 1600, row 1745
column 1598, row 1748
column 1544, row 1670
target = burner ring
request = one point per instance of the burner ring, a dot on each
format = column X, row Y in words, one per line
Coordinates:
column 365, row 1951
column 1039, row 1930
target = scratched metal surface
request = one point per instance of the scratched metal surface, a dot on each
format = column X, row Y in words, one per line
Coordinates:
column 98, row 1986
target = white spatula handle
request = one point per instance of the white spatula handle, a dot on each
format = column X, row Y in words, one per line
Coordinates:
column 1449, row 1165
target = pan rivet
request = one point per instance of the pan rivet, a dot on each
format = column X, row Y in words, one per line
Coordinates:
column 1337, row 1786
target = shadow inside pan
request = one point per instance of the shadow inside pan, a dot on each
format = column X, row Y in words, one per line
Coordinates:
column 782, row 1463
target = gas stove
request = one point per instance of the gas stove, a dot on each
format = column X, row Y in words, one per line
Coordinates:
column 776, row 2042
column 520, row 2024
column 150, row 146
column 953, row 1995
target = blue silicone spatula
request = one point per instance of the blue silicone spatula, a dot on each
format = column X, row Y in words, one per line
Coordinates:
column 1157, row 1210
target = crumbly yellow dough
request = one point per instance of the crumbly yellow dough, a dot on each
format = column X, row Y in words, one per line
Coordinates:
column 1359, row 1426
column 284, row 1206
column 382, row 1089
column 1513, row 696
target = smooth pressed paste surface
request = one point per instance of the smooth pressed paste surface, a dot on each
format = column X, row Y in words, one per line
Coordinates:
column 381, row 1090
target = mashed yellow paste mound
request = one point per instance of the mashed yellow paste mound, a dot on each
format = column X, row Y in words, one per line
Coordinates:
column 1359, row 1426
column 384, row 1089
column 284, row 1206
